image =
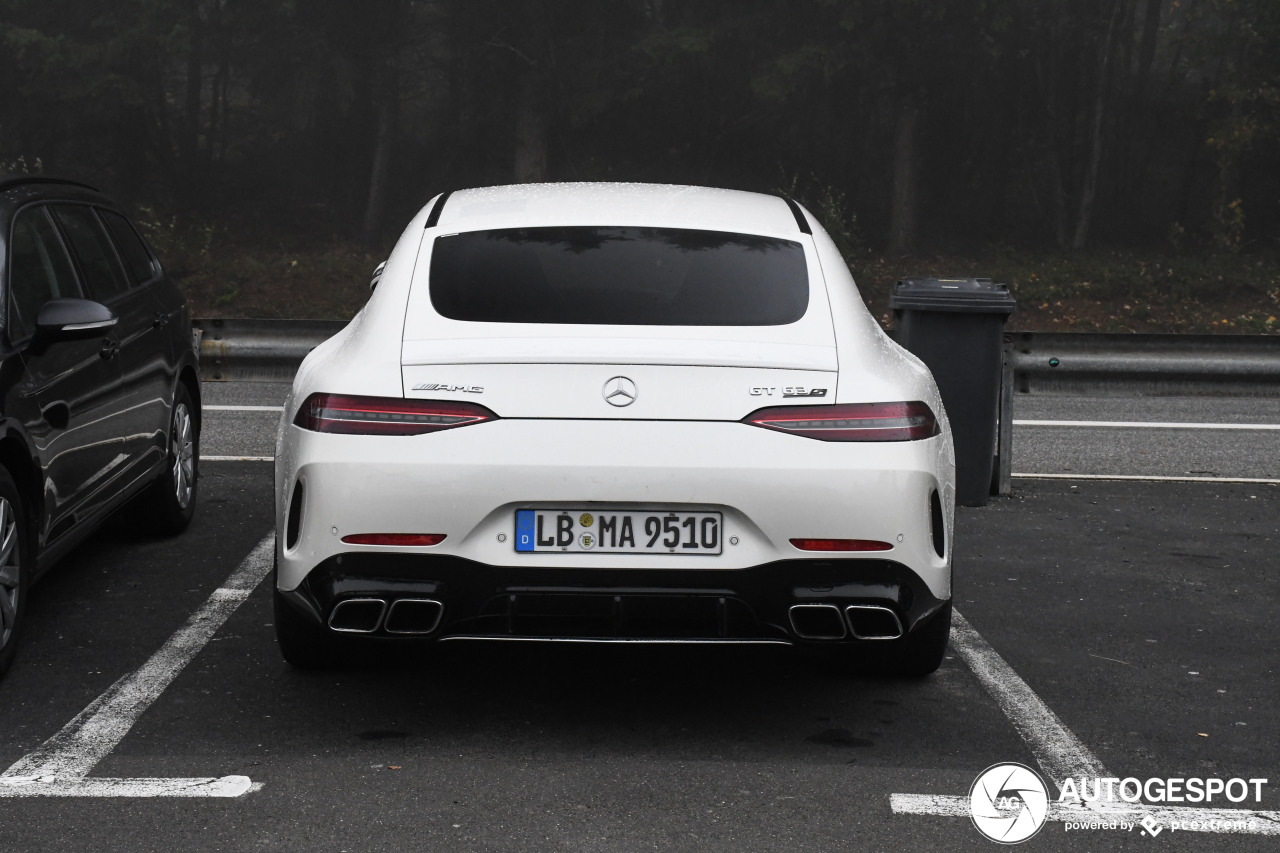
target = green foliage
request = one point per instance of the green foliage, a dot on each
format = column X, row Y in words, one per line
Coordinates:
column 1107, row 291
column 20, row 166
column 184, row 246
column 831, row 208
column 259, row 122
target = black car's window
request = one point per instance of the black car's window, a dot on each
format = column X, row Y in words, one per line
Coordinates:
column 137, row 260
column 619, row 276
column 103, row 275
column 39, row 270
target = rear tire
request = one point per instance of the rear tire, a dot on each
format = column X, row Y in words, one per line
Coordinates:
column 917, row 654
column 15, row 569
column 302, row 644
column 173, row 497
column 923, row 650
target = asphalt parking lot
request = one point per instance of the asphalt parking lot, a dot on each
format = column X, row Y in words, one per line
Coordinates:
column 1136, row 617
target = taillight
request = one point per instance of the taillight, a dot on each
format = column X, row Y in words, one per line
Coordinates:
column 851, row 421
column 840, row 545
column 352, row 415
column 412, row 539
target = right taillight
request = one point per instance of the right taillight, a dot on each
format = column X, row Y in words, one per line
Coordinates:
column 353, row 415
column 851, row 421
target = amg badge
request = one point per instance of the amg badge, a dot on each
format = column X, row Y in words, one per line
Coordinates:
column 440, row 386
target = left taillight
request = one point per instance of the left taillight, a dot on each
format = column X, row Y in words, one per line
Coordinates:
column 851, row 421
column 353, row 415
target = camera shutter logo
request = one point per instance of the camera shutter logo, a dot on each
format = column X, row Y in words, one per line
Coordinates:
column 1008, row 803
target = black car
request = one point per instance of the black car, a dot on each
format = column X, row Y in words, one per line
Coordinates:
column 99, row 382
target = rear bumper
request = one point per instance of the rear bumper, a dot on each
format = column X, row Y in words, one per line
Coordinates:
column 469, row 483
column 484, row 601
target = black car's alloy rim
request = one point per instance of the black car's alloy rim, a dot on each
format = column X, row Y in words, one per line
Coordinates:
column 9, row 557
column 184, row 474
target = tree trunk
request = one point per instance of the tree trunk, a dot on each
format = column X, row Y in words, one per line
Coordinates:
column 531, row 129
column 1089, row 183
column 1058, row 187
column 380, row 174
column 1147, row 47
column 902, row 212
column 189, row 135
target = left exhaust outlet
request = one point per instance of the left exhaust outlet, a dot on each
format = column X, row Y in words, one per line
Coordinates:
column 816, row 621
column 357, row 615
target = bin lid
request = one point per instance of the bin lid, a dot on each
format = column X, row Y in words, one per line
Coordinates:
column 972, row 295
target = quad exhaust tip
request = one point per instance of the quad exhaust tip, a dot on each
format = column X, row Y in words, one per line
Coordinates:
column 414, row 616
column 404, row 616
column 357, row 615
column 873, row 622
column 817, row 621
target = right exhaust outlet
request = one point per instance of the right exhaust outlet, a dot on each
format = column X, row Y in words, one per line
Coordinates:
column 873, row 622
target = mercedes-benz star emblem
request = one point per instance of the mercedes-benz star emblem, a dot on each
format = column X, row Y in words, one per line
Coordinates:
column 619, row 391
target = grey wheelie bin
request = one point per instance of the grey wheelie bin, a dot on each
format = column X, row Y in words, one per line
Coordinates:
column 956, row 327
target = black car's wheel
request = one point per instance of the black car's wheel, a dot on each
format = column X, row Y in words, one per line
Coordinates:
column 14, row 568
column 174, row 494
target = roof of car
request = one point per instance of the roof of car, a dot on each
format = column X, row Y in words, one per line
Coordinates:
column 665, row 205
column 7, row 181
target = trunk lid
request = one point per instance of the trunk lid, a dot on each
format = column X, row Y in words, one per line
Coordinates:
column 681, row 377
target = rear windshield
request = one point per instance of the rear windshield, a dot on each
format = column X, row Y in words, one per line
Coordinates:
column 619, row 276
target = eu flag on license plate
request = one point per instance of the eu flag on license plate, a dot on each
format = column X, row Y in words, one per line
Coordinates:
column 525, row 526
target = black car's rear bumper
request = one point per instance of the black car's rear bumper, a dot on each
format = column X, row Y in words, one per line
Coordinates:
column 483, row 601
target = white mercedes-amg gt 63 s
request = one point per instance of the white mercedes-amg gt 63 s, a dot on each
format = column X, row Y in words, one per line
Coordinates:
column 614, row 412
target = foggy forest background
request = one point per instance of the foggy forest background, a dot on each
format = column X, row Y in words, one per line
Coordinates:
column 908, row 126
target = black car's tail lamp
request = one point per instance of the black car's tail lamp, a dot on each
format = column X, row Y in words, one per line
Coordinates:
column 851, row 421
column 352, row 415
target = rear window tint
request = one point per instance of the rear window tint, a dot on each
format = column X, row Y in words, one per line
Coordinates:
column 619, row 276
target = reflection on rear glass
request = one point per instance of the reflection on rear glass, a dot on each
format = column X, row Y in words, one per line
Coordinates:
column 619, row 276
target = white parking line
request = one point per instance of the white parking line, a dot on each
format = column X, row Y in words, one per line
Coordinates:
column 1144, row 425
column 60, row 767
column 1016, row 421
column 1141, row 478
column 1062, row 755
column 1144, row 478
column 1186, row 818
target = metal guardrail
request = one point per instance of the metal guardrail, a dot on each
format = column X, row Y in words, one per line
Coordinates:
column 1149, row 365
column 1042, row 362
column 258, row 350
column 1034, row 363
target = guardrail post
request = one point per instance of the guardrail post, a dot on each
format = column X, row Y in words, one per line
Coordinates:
column 1002, row 478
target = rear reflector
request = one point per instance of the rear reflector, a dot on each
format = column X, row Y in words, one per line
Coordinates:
column 839, row 545
column 394, row 538
column 851, row 421
column 351, row 415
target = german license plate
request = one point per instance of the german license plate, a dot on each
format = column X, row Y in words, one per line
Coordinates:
column 610, row 532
